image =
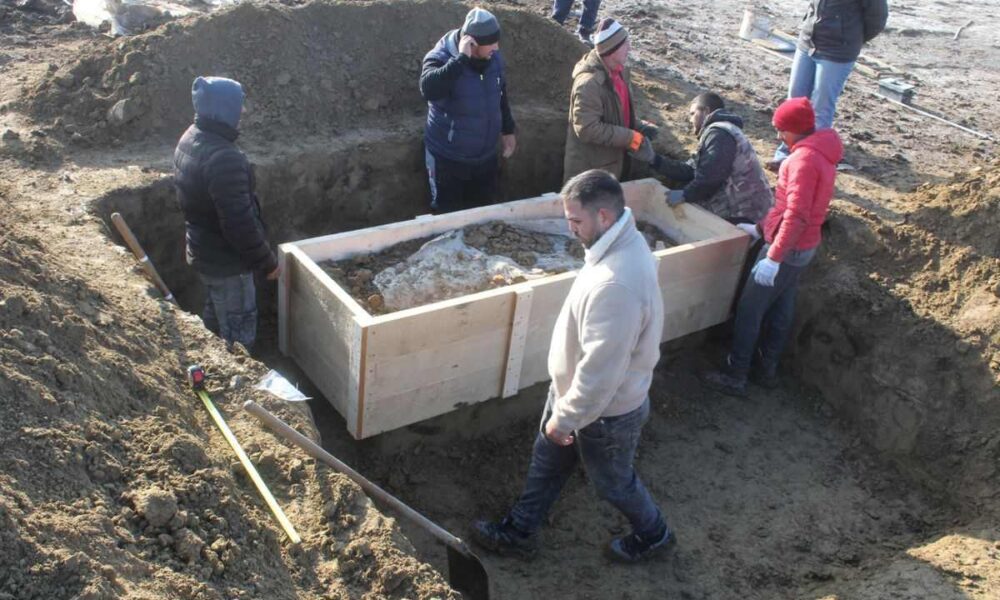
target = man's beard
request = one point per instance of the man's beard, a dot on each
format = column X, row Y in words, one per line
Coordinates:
column 597, row 238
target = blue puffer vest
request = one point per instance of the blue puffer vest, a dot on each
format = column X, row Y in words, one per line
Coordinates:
column 465, row 126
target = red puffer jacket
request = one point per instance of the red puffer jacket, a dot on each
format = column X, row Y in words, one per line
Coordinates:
column 805, row 188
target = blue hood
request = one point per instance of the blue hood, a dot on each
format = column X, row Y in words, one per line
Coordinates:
column 219, row 99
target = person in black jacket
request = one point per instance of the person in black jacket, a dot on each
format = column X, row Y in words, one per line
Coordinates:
column 225, row 236
column 830, row 40
column 724, row 176
column 468, row 112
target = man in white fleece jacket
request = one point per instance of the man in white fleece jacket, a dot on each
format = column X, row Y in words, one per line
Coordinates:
column 604, row 348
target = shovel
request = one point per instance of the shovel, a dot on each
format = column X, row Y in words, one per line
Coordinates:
column 140, row 255
column 465, row 571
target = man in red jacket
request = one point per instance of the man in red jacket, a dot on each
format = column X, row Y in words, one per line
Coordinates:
column 791, row 231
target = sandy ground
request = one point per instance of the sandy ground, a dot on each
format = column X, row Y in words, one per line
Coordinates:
column 871, row 473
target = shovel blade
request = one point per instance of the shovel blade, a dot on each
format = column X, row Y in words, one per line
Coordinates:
column 467, row 574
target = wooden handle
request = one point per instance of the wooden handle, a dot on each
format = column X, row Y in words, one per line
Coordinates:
column 313, row 449
column 250, row 469
column 140, row 255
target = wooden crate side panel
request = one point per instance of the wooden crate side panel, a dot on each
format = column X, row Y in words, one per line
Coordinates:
column 698, row 284
column 321, row 336
column 685, row 224
column 432, row 361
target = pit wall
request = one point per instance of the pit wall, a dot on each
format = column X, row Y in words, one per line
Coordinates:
column 359, row 179
column 912, row 387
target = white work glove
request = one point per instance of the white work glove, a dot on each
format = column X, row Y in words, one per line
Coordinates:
column 750, row 230
column 765, row 271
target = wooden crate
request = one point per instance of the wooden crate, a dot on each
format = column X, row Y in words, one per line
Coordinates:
column 388, row 371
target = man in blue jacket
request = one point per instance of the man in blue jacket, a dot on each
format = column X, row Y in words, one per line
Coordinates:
column 830, row 40
column 468, row 113
column 225, row 237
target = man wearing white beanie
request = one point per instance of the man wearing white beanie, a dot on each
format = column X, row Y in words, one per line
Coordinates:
column 603, row 126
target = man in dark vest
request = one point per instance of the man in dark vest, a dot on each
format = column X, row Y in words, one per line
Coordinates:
column 468, row 112
column 225, row 237
column 724, row 176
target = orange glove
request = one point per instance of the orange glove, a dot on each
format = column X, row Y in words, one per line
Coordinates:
column 636, row 141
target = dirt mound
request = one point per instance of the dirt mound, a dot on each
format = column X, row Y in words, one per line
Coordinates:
column 900, row 328
column 317, row 68
column 28, row 13
column 114, row 482
column 966, row 211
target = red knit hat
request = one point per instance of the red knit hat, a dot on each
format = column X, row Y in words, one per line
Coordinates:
column 795, row 115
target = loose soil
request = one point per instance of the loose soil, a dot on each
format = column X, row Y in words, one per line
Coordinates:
column 870, row 473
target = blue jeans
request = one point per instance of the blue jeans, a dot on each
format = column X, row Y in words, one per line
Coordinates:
column 607, row 447
column 822, row 81
column 561, row 8
column 231, row 307
column 769, row 308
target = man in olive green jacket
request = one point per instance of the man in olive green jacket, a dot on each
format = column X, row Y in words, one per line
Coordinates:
column 602, row 123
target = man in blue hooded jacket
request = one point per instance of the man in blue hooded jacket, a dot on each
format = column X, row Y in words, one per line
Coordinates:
column 468, row 112
column 225, row 236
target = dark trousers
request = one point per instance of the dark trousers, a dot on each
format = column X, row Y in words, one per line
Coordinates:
column 766, row 313
column 561, row 9
column 607, row 447
column 231, row 308
column 457, row 186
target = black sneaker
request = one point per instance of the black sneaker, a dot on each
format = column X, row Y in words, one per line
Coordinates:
column 724, row 382
column 765, row 379
column 764, row 372
column 501, row 538
column 585, row 38
column 632, row 548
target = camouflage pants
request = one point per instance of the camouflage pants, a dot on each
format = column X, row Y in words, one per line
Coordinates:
column 231, row 308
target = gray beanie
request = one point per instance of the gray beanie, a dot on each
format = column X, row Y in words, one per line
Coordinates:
column 482, row 26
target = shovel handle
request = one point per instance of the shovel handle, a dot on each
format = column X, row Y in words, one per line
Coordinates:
column 250, row 469
column 140, row 255
column 313, row 449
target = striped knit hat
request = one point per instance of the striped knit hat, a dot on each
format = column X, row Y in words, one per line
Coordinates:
column 609, row 36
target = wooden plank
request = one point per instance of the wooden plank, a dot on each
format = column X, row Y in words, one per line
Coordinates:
column 359, row 350
column 307, row 263
column 693, row 224
column 438, row 398
column 408, row 360
column 518, row 338
column 283, row 284
column 546, row 303
column 321, row 332
column 374, row 239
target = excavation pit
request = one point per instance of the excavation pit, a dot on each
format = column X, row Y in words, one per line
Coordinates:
column 870, row 473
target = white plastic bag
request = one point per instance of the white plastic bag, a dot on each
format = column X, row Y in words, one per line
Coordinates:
column 446, row 267
column 276, row 383
column 128, row 17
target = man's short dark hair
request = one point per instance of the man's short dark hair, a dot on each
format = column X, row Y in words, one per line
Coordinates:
column 710, row 101
column 595, row 189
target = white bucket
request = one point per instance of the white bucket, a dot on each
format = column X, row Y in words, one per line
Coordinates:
column 754, row 26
